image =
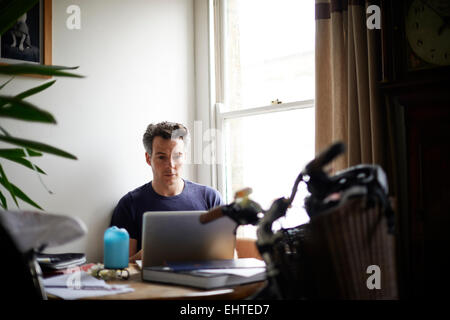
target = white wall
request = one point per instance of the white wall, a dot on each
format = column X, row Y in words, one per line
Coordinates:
column 138, row 57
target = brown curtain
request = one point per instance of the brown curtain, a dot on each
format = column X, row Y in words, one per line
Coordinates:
column 349, row 107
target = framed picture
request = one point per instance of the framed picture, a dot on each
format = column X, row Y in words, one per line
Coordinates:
column 30, row 39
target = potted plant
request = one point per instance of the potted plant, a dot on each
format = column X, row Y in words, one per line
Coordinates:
column 18, row 108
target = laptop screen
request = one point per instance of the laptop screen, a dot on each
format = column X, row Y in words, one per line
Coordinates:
column 178, row 236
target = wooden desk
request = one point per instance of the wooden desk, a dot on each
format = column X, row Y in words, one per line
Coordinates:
column 155, row 291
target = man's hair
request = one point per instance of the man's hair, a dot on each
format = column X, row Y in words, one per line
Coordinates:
column 166, row 130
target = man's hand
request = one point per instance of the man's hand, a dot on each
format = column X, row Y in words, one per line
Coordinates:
column 137, row 256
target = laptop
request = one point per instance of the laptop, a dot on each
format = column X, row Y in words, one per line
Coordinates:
column 178, row 236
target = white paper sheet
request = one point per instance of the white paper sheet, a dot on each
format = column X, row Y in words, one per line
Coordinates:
column 81, row 285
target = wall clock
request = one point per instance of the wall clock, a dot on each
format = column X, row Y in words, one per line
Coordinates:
column 427, row 29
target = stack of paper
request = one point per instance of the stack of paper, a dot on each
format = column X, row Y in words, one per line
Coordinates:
column 60, row 261
column 139, row 263
column 81, row 285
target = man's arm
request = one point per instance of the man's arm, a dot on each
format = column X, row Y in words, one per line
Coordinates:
column 133, row 247
column 133, row 254
column 246, row 248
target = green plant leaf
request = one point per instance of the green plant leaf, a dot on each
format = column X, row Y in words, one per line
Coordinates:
column 28, row 68
column 4, row 181
column 4, row 131
column 34, row 90
column 55, row 67
column 3, row 85
column 11, row 10
column 32, row 153
column 3, row 200
column 11, row 107
column 23, row 162
column 21, row 195
column 39, row 146
column 18, row 153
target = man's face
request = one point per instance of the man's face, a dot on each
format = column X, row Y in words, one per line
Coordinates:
column 166, row 160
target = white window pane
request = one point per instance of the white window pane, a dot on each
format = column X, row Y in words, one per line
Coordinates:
column 270, row 52
column 267, row 152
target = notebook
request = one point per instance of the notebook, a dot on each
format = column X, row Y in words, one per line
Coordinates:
column 210, row 274
column 60, row 261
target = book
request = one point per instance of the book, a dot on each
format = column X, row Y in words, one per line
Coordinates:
column 208, row 274
column 216, row 264
column 46, row 273
column 60, row 261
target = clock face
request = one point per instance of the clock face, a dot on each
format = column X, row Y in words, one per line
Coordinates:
column 427, row 28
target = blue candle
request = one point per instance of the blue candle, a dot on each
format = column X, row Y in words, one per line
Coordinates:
column 116, row 248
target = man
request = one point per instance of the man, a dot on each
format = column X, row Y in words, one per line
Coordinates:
column 164, row 145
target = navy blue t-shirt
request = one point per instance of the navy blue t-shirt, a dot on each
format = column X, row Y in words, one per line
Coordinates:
column 130, row 210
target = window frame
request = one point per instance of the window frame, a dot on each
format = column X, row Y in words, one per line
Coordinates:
column 218, row 76
column 222, row 116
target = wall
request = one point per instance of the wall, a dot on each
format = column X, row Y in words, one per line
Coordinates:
column 138, row 58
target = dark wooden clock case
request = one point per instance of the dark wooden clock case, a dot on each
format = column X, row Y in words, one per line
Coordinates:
column 421, row 101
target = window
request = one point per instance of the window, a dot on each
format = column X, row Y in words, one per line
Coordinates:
column 264, row 53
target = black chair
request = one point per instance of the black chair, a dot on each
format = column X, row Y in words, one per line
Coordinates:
column 21, row 275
